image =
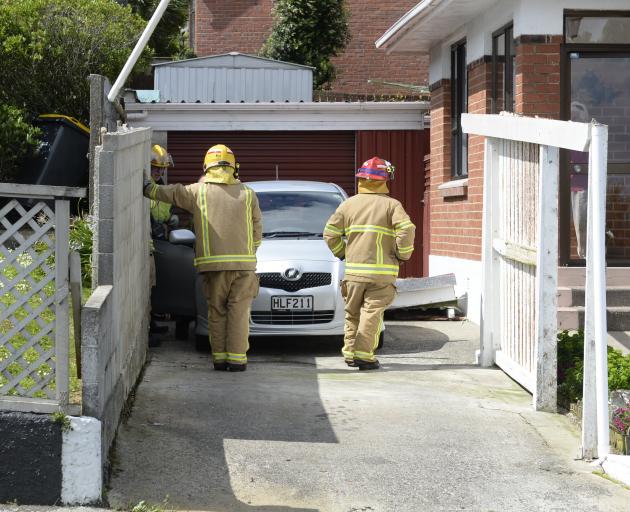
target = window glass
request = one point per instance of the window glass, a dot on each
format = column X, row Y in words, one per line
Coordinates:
column 503, row 71
column 459, row 105
column 296, row 212
column 607, row 30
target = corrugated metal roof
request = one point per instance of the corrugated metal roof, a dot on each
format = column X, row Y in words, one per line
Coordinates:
column 232, row 60
column 234, row 78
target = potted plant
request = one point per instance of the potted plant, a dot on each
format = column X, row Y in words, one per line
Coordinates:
column 620, row 430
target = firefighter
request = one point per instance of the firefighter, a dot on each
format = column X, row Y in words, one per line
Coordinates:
column 379, row 236
column 162, row 218
column 229, row 231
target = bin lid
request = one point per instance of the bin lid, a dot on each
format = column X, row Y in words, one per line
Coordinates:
column 70, row 119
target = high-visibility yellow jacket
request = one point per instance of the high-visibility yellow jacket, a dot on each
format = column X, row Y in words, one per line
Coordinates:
column 160, row 211
column 227, row 222
column 379, row 236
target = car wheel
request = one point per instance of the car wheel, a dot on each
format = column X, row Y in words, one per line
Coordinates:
column 381, row 339
column 202, row 343
column 181, row 328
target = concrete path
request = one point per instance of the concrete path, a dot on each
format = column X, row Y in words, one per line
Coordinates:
column 299, row 431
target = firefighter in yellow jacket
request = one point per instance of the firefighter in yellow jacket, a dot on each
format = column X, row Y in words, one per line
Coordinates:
column 228, row 225
column 379, row 236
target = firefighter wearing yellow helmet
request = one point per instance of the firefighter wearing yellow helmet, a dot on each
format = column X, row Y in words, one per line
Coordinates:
column 228, row 226
column 162, row 218
column 379, row 236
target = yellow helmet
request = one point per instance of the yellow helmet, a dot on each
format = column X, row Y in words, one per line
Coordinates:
column 219, row 156
column 159, row 157
column 219, row 165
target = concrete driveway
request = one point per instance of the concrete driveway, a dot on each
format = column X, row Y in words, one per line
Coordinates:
column 299, row 431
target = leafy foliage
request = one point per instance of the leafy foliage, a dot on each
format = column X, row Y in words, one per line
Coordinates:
column 571, row 367
column 49, row 47
column 81, row 240
column 309, row 32
column 170, row 37
column 18, row 140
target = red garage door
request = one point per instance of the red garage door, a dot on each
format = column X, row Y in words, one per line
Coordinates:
column 318, row 156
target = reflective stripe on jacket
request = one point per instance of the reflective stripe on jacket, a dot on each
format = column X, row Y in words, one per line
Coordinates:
column 227, row 220
column 379, row 236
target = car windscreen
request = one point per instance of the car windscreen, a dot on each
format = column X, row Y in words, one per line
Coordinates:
column 287, row 213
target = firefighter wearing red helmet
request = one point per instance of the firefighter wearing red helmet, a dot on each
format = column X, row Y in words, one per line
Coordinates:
column 379, row 235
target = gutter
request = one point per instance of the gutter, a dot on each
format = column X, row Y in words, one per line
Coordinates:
column 420, row 11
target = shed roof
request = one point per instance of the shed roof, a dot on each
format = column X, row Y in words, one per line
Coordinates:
column 232, row 60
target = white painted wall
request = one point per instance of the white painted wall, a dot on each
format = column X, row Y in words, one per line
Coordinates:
column 530, row 17
column 542, row 17
column 81, row 481
column 468, row 276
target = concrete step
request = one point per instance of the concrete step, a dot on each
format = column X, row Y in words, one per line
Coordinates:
column 617, row 317
column 616, row 296
column 576, row 276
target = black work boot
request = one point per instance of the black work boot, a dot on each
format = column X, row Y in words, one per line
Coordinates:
column 235, row 367
column 351, row 363
column 221, row 366
column 367, row 365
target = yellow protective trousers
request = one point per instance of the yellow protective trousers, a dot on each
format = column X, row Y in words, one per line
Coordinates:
column 365, row 306
column 229, row 294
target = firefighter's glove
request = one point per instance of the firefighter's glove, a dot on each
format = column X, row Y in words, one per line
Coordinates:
column 145, row 185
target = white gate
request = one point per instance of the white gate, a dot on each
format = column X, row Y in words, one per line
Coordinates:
column 34, row 298
column 520, row 245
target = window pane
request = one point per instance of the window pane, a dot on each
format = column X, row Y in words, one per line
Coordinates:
column 611, row 30
column 499, row 68
column 297, row 211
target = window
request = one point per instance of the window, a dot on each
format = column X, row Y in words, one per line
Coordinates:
column 503, row 70
column 590, row 28
column 289, row 214
column 459, row 105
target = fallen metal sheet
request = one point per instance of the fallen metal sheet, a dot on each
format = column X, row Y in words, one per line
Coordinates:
column 425, row 291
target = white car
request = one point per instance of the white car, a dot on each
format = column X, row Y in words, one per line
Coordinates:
column 299, row 277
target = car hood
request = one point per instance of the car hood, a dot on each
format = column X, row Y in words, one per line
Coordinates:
column 294, row 250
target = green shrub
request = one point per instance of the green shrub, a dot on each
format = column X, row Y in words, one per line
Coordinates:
column 571, row 367
column 49, row 47
column 309, row 32
column 18, row 140
column 81, row 240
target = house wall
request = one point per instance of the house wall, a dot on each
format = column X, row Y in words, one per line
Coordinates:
column 244, row 25
column 455, row 218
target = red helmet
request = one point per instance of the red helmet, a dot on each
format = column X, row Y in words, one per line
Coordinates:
column 376, row 169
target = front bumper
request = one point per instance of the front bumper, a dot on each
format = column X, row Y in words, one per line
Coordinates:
column 327, row 304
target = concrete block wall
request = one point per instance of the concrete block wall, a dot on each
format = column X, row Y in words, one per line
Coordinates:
column 115, row 318
column 244, row 25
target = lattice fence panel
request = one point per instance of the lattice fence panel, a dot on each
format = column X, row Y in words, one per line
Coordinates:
column 27, row 301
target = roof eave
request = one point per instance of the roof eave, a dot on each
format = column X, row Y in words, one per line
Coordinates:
column 393, row 35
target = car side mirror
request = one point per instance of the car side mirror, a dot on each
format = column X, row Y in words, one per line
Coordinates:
column 181, row 237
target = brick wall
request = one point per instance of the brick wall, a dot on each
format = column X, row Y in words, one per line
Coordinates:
column 538, row 76
column 456, row 220
column 243, row 26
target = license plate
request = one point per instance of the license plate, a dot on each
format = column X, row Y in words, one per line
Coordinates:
column 289, row 303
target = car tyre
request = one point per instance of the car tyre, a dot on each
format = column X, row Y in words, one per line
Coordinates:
column 202, row 344
column 381, row 340
column 181, row 328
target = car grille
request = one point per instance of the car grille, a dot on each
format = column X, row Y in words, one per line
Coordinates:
column 308, row 280
column 292, row 317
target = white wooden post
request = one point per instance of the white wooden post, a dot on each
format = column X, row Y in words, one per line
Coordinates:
column 589, row 385
column 62, row 334
column 547, row 281
column 597, row 228
column 489, row 295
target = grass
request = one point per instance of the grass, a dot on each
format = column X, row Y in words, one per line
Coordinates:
column 19, row 337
